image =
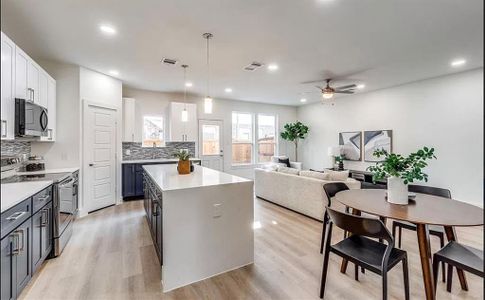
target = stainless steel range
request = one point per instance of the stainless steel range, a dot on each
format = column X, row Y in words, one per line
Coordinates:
column 65, row 200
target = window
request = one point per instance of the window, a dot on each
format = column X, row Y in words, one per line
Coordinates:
column 242, row 138
column 266, row 137
column 210, row 140
column 152, row 131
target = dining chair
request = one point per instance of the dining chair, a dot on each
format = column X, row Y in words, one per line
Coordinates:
column 436, row 230
column 459, row 256
column 331, row 189
column 362, row 250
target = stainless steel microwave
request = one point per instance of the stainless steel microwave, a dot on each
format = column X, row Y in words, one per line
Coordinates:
column 30, row 119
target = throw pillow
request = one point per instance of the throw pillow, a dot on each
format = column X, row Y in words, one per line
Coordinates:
column 338, row 175
column 316, row 175
column 276, row 159
column 287, row 170
column 285, row 161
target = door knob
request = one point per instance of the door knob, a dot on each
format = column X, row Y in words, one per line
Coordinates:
column 91, row 165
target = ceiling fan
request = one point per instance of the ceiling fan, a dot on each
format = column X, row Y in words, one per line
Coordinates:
column 328, row 91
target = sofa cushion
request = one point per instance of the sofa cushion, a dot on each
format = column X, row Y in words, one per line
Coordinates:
column 317, row 175
column 285, row 161
column 338, row 175
column 287, row 170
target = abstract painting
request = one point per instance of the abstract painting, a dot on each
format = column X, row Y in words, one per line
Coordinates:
column 350, row 142
column 377, row 139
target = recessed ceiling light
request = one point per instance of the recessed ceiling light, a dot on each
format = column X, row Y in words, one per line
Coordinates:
column 188, row 84
column 114, row 72
column 228, row 90
column 361, row 86
column 302, row 100
column 273, row 67
column 458, row 62
column 107, row 29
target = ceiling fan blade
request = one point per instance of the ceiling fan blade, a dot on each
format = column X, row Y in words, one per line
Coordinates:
column 319, row 87
column 312, row 81
column 346, row 87
column 344, row 92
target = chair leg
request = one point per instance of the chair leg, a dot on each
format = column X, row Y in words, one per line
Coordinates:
column 442, row 244
column 347, row 210
column 405, row 271
column 384, row 285
column 394, row 230
column 400, row 237
column 356, row 272
column 324, row 272
column 449, row 279
column 362, row 270
column 324, row 229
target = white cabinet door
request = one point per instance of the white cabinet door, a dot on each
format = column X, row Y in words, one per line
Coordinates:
column 21, row 70
column 7, row 88
column 181, row 131
column 43, row 87
column 33, row 72
column 191, row 128
column 51, row 111
column 128, row 120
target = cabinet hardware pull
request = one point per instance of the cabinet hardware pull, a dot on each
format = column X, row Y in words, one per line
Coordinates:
column 43, row 198
column 21, row 231
column 16, row 215
column 15, row 240
column 44, row 218
column 4, row 129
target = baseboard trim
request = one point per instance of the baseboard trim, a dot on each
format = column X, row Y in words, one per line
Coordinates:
column 300, row 213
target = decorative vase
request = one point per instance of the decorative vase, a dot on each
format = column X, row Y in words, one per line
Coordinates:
column 397, row 191
column 183, row 167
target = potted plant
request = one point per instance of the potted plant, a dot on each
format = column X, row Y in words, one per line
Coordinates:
column 183, row 166
column 293, row 133
column 400, row 171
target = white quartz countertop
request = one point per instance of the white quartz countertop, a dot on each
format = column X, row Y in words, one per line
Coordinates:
column 167, row 178
column 157, row 160
column 14, row 193
column 50, row 171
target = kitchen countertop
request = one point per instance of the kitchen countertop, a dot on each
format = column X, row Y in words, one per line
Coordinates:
column 167, row 177
column 50, row 171
column 156, row 160
column 14, row 193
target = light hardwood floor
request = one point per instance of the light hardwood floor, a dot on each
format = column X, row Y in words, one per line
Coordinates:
column 111, row 256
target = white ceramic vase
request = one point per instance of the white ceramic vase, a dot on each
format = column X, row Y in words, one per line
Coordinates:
column 397, row 191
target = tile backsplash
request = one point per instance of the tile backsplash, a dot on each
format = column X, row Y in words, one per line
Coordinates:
column 15, row 148
column 139, row 152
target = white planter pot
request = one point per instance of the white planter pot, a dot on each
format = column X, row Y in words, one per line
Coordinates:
column 397, row 191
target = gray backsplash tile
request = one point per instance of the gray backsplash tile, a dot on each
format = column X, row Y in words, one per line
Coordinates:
column 139, row 152
column 15, row 148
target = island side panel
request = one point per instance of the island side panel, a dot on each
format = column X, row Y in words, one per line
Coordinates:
column 197, row 243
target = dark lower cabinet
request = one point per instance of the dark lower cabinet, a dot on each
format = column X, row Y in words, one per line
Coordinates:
column 132, row 180
column 16, row 269
column 41, row 235
column 153, row 209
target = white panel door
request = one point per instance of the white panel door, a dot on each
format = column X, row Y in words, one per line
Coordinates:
column 43, row 90
column 33, row 72
column 211, row 144
column 7, row 88
column 99, row 157
column 22, row 91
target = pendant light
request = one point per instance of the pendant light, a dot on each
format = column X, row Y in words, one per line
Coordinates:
column 208, row 99
column 185, row 114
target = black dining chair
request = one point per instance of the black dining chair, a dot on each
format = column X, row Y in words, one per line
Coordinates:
column 362, row 250
column 459, row 256
column 436, row 230
column 331, row 189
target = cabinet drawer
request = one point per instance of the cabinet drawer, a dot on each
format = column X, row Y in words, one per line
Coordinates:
column 15, row 216
column 41, row 198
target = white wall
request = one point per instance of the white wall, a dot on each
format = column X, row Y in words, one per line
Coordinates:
column 445, row 113
column 148, row 102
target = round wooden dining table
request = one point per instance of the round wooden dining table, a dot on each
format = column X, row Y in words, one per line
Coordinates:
column 423, row 210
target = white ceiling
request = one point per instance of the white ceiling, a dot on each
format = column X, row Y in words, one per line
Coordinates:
column 381, row 43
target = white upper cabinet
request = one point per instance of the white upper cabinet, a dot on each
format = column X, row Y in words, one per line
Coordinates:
column 43, row 99
column 181, row 130
column 128, row 120
column 51, row 110
column 23, row 78
column 7, row 88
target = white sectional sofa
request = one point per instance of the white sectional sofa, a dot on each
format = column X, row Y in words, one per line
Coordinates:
column 299, row 193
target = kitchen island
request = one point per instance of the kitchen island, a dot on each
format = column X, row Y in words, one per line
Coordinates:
column 201, row 223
